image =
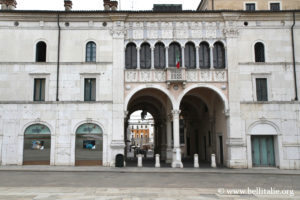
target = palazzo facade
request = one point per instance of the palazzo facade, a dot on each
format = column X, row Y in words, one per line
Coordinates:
column 215, row 82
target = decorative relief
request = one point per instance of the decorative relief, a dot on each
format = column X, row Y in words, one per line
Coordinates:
column 181, row 34
column 145, row 76
column 153, row 34
column 138, row 34
column 211, row 33
column 131, row 76
column 205, row 76
column 159, row 76
column 167, row 33
column 220, row 76
column 191, row 75
column 231, row 32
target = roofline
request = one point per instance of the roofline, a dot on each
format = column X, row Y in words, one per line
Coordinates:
column 145, row 11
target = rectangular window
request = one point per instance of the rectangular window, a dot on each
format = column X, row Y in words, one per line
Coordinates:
column 90, row 89
column 250, row 6
column 261, row 89
column 39, row 89
column 274, row 6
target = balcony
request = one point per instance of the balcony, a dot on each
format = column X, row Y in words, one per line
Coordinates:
column 174, row 75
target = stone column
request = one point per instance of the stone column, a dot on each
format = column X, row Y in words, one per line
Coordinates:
column 138, row 58
column 197, row 57
column 167, row 57
column 211, row 57
column 226, row 61
column 169, row 139
column 152, row 57
column 176, row 150
column 1, row 139
column 183, row 57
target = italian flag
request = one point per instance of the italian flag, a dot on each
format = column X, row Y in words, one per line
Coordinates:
column 177, row 60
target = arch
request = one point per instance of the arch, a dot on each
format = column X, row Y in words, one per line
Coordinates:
column 37, row 129
column 41, row 51
column 145, row 56
column 175, row 53
column 90, row 51
column 219, row 55
column 204, row 55
column 190, row 55
column 142, row 87
column 263, row 127
column 37, row 122
column 89, row 122
column 93, row 129
column 131, row 56
column 215, row 89
column 259, row 52
column 159, row 56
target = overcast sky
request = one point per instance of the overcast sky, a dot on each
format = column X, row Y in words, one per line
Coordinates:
column 98, row 4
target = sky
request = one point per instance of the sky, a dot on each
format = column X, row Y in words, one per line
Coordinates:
column 98, row 4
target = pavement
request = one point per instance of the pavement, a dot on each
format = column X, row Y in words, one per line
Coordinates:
column 44, row 168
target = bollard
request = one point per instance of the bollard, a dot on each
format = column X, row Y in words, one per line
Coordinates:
column 196, row 161
column 157, row 161
column 213, row 161
column 140, row 160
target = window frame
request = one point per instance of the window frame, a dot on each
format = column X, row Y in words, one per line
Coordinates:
column 188, row 56
column 275, row 2
column 91, row 89
column 247, row 3
column 36, row 51
column 84, row 76
column 39, row 75
column 254, row 51
column 161, row 56
column 216, row 64
column 92, row 56
column 174, row 55
column 42, row 92
column 131, row 65
column 266, row 76
column 144, row 51
column 204, row 43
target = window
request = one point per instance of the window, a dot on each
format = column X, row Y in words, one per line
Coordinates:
column 175, row 55
column 219, row 56
column 204, row 56
column 90, row 89
column 250, row 6
column 145, row 56
column 90, row 52
column 275, row 6
column 131, row 56
column 159, row 56
column 259, row 52
column 261, row 89
column 190, row 55
column 39, row 89
column 41, row 52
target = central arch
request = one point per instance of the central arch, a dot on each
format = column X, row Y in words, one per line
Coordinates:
column 156, row 102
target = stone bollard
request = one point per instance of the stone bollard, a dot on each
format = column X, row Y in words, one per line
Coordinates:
column 140, row 160
column 157, row 161
column 196, row 161
column 213, row 161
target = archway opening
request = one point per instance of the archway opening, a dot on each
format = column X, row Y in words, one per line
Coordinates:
column 202, row 127
column 147, row 113
column 37, row 145
column 89, row 145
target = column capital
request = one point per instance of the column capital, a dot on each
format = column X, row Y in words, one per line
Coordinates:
column 125, row 113
column 138, row 48
column 176, row 113
column 211, row 46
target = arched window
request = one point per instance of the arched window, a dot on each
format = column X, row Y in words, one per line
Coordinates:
column 90, row 52
column 190, row 55
column 37, row 145
column 89, row 145
column 145, row 56
column 130, row 56
column 175, row 57
column 219, row 55
column 204, row 55
column 41, row 52
column 159, row 56
column 259, row 49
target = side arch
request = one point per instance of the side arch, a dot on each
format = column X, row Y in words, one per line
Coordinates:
column 217, row 90
column 270, row 128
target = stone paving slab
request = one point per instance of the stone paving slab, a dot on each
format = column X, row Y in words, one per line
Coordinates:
column 149, row 170
column 60, row 193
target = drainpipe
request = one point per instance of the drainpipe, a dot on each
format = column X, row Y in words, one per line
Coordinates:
column 294, row 58
column 58, row 60
column 213, row 5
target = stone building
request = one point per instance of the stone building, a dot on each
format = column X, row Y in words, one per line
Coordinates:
column 215, row 82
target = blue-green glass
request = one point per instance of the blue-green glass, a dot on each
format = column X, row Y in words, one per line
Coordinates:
column 271, row 156
column 89, row 129
column 37, row 129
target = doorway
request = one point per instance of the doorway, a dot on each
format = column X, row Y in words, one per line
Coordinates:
column 263, row 151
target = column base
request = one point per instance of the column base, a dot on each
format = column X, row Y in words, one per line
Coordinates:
column 176, row 163
column 169, row 155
